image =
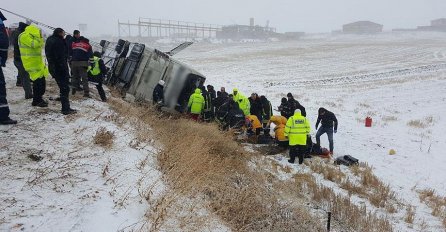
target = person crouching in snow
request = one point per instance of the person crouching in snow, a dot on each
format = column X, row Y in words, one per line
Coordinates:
column 279, row 130
column 196, row 104
column 297, row 128
column 253, row 125
column 96, row 71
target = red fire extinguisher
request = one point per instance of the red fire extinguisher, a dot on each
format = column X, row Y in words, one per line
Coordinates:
column 368, row 122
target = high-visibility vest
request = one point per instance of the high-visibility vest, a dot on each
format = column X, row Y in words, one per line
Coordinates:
column 30, row 45
column 196, row 102
column 95, row 70
column 297, row 128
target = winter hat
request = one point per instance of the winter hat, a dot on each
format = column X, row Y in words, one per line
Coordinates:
column 161, row 82
column 284, row 100
column 289, row 95
column 57, row 31
column 297, row 111
column 97, row 54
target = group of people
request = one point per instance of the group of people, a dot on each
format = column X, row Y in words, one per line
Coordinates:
column 255, row 115
column 68, row 57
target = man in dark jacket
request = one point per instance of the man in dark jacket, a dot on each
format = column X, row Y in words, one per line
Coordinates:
column 23, row 76
column 4, row 44
column 235, row 118
column 81, row 54
column 55, row 51
column 158, row 93
column 329, row 124
column 222, row 96
column 267, row 112
column 256, row 106
column 285, row 109
column 294, row 104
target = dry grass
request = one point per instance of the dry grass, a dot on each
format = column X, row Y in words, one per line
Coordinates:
column 104, row 137
column 389, row 118
column 435, row 202
column 410, row 215
column 205, row 166
column 416, row 124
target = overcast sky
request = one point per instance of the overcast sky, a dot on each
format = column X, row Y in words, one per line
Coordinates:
column 286, row 15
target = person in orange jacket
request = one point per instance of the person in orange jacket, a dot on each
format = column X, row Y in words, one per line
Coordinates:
column 253, row 125
column 279, row 129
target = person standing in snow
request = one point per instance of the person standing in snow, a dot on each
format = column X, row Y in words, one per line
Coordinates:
column 196, row 104
column 294, row 104
column 23, row 76
column 30, row 45
column 96, row 70
column 4, row 44
column 329, row 124
column 297, row 129
column 55, row 50
column 285, row 109
column 256, row 107
column 267, row 113
column 82, row 52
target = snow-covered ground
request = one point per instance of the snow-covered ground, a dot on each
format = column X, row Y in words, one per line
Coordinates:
column 394, row 79
column 80, row 186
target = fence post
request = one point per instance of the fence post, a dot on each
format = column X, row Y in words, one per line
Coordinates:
column 328, row 221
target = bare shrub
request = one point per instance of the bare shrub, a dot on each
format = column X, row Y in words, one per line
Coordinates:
column 416, row 124
column 104, row 137
column 364, row 105
column 410, row 214
column 435, row 202
column 389, row 118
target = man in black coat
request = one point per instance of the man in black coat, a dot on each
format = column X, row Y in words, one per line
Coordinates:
column 329, row 124
column 23, row 76
column 256, row 106
column 285, row 109
column 266, row 113
column 55, row 51
column 4, row 44
column 222, row 96
column 294, row 104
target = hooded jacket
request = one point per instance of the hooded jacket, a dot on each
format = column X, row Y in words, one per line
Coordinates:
column 196, row 102
column 242, row 101
column 297, row 128
column 279, row 129
column 30, row 45
column 4, row 42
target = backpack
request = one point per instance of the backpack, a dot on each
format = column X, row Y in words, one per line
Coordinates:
column 346, row 160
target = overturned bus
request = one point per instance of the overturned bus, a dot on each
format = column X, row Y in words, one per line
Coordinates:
column 138, row 72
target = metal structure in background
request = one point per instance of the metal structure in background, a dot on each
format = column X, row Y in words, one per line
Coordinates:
column 158, row 28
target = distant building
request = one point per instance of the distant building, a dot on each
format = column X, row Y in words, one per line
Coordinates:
column 362, row 27
column 439, row 22
column 240, row 32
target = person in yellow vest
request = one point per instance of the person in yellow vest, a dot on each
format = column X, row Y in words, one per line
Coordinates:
column 297, row 128
column 196, row 104
column 96, row 71
column 253, row 125
column 279, row 130
column 242, row 101
column 30, row 45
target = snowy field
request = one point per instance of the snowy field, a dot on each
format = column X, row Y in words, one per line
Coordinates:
column 398, row 79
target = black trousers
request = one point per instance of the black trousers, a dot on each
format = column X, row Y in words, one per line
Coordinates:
column 297, row 151
column 63, row 83
column 4, row 108
column 39, row 88
column 101, row 91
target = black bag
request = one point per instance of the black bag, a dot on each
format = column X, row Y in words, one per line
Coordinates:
column 346, row 160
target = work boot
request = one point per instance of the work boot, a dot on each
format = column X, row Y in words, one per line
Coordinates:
column 8, row 121
column 69, row 111
column 73, row 91
column 290, row 161
column 40, row 104
column 29, row 96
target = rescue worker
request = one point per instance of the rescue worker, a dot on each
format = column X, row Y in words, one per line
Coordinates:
column 96, row 71
column 55, row 50
column 4, row 44
column 211, row 96
column 196, row 104
column 81, row 53
column 242, row 101
column 297, row 128
column 158, row 93
column 267, row 112
column 329, row 124
column 279, row 130
column 30, row 45
column 222, row 96
column 256, row 107
column 285, row 109
column 253, row 125
column 23, row 76
column 70, row 40
column 294, row 104
column 235, row 118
